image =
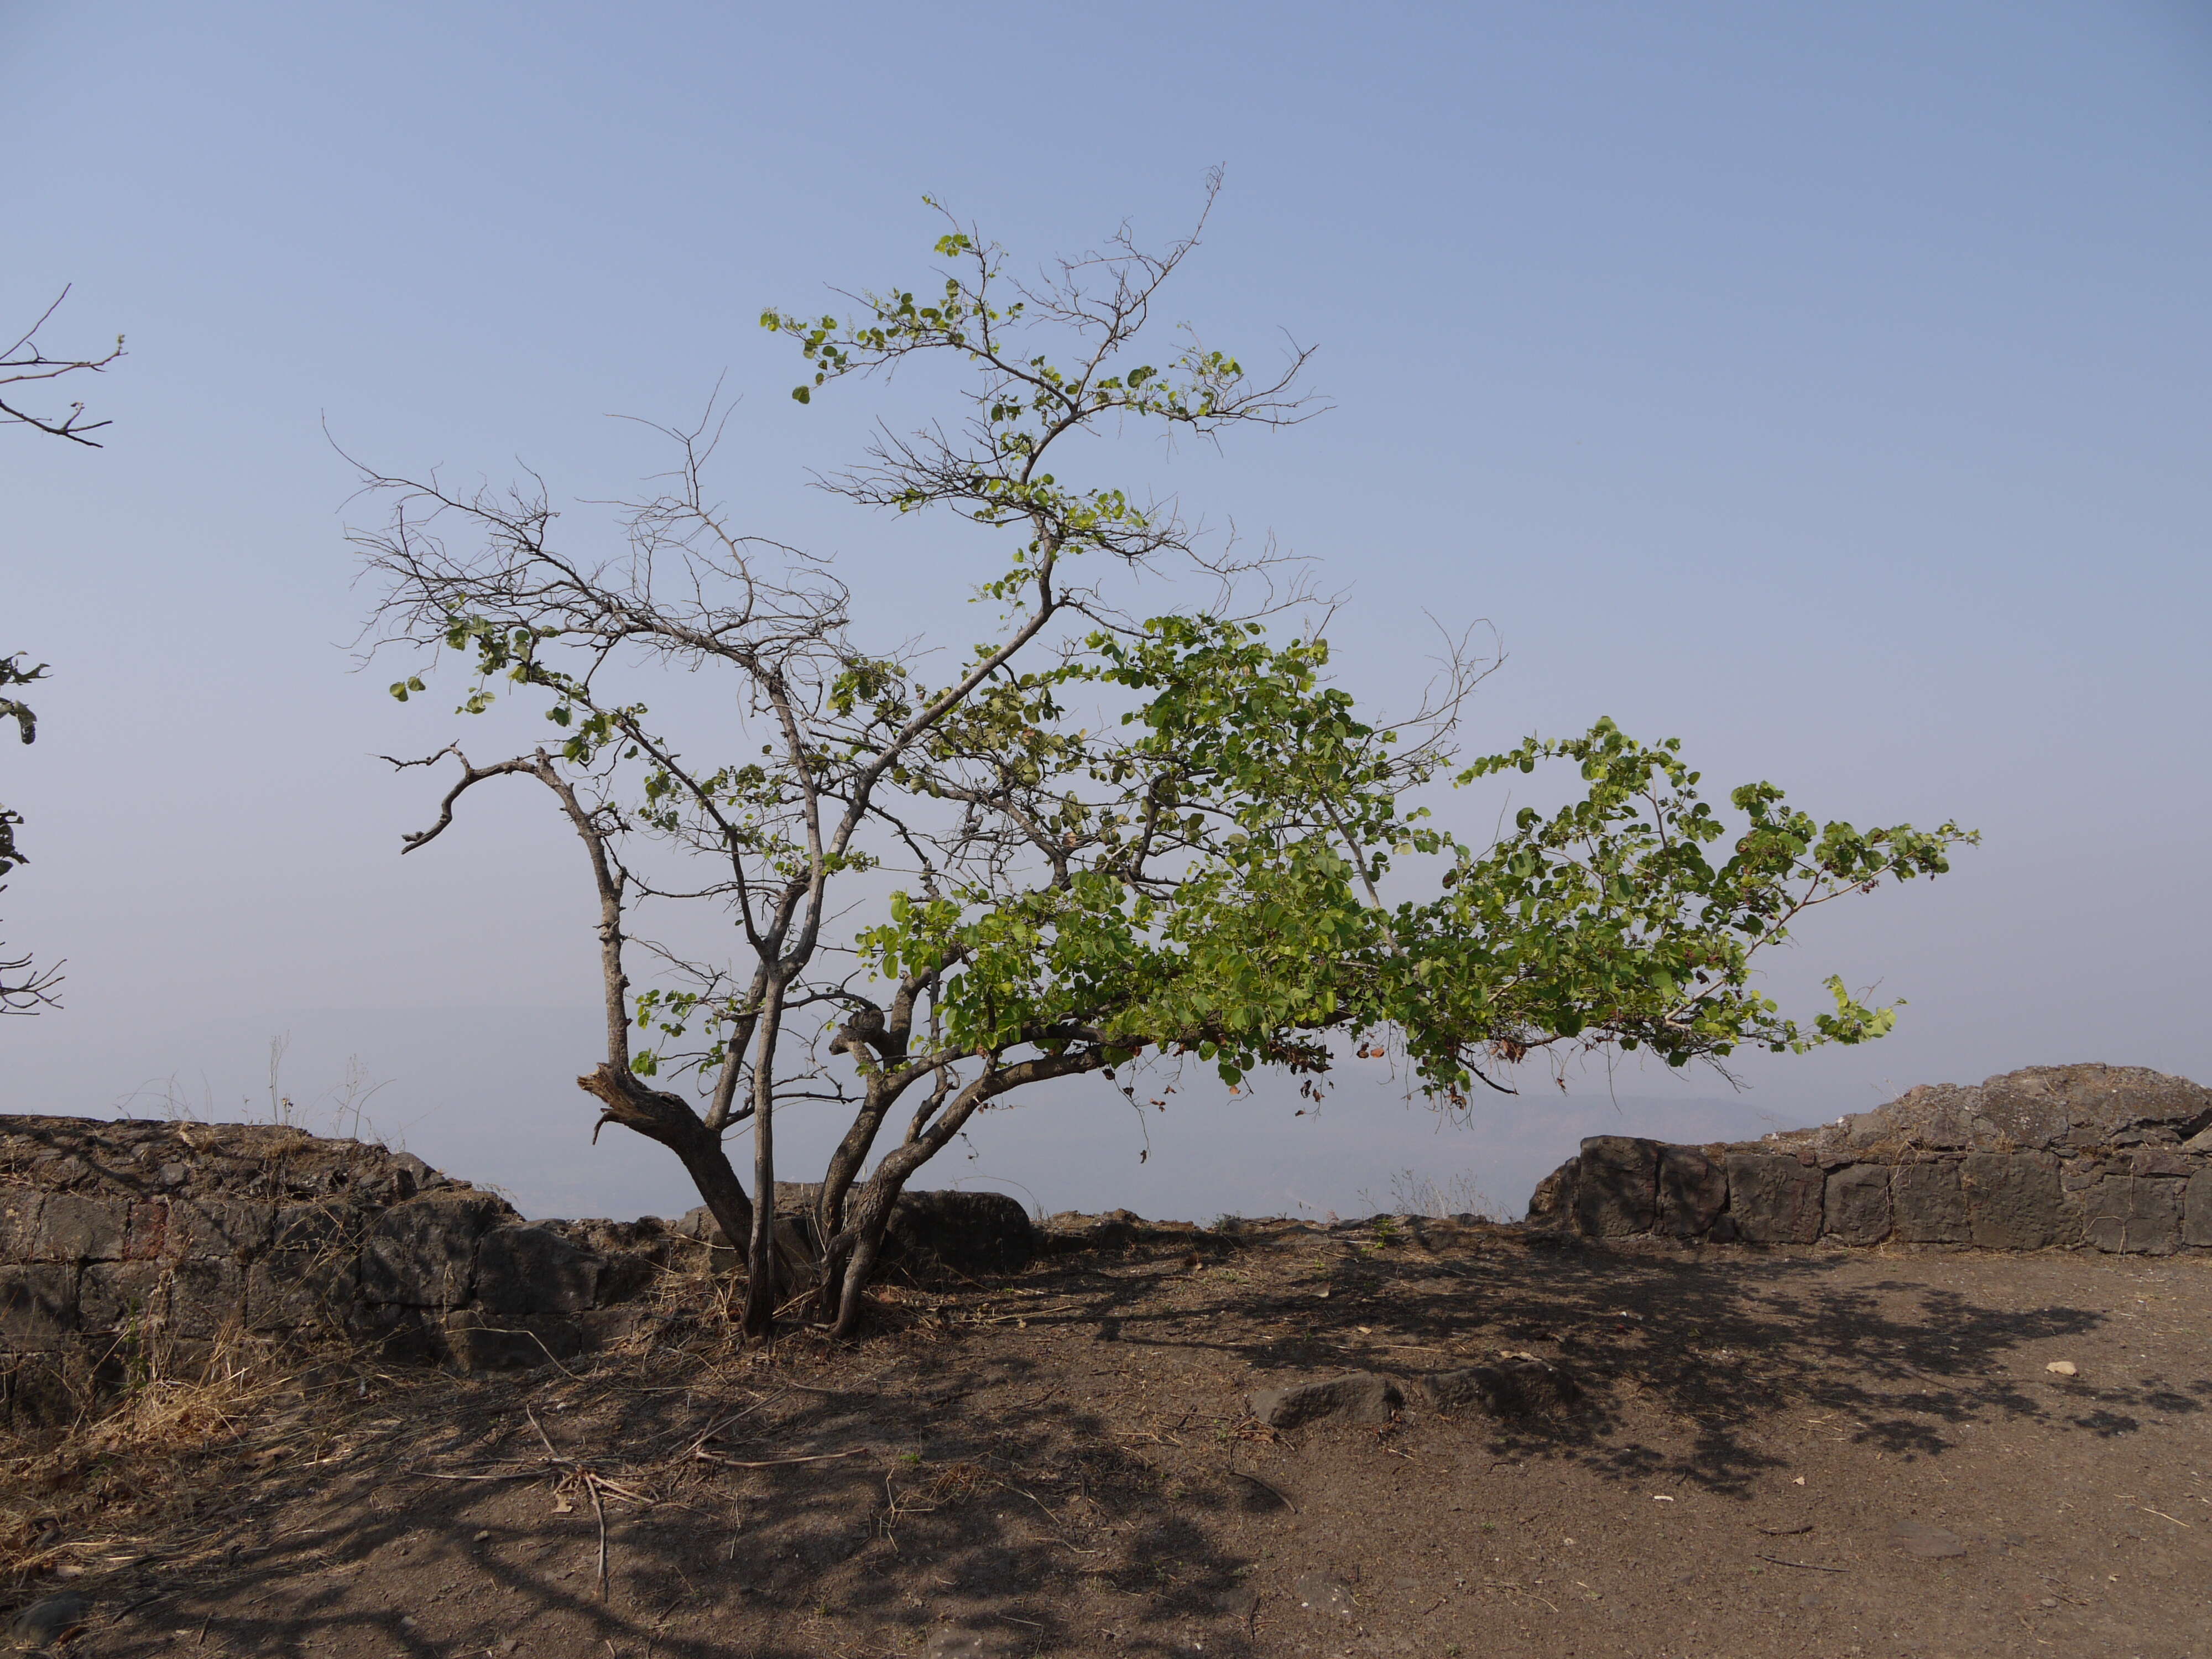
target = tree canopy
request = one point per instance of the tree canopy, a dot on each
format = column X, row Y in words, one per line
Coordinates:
column 1096, row 836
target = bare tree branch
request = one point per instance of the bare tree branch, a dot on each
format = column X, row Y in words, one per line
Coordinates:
column 25, row 364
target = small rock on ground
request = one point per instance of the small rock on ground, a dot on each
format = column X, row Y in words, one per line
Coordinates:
column 1515, row 1385
column 47, row 1621
column 1355, row 1396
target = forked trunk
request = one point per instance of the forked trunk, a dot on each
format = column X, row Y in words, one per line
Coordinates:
column 847, row 1277
column 669, row 1119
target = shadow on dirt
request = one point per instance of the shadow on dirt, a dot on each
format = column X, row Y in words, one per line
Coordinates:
column 1720, row 1341
column 1072, row 1487
column 949, row 1508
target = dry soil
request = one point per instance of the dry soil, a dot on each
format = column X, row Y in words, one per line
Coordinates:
column 1776, row 1452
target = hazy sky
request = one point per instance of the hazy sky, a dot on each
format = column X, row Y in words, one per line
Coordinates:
column 1827, row 386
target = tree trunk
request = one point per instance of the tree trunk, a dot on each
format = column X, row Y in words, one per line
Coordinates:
column 859, row 1247
column 764, row 1280
column 830, row 1209
column 669, row 1119
column 871, row 1211
column 871, row 1216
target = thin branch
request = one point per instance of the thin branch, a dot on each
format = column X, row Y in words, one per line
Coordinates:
column 24, row 363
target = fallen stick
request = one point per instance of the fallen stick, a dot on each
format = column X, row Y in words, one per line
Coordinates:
column 591, row 1490
column 706, row 1456
column 592, row 1486
column 1808, row 1566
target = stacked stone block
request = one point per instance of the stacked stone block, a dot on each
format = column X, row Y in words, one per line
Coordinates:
column 133, row 1246
column 130, row 1247
column 2105, row 1158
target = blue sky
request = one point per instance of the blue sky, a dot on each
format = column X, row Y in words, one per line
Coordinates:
column 1824, row 385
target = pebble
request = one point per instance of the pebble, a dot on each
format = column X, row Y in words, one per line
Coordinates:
column 2064, row 1368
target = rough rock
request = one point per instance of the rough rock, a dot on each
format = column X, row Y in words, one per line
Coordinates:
column 1928, row 1204
column 19, row 1209
column 2043, row 1108
column 2196, row 1210
column 1516, row 1385
column 1353, row 1397
column 38, row 1307
column 217, row 1227
column 950, row 1232
column 301, row 1290
column 118, row 1296
column 206, row 1299
column 1551, row 1205
column 1855, row 1205
column 1616, row 1186
column 2112, row 1158
column 47, row 1621
column 78, row 1227
column 1692, row 1190
column 168, row 1236
column 2012, row 1200
column 961, row 1232
column 421, row 1254
column 477, row 1340
column 1071, row 1231
column 533, row 1270
column 1775, row 1199
column 2141, row 1216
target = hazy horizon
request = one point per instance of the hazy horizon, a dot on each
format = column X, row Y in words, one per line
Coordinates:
column 488, row 1096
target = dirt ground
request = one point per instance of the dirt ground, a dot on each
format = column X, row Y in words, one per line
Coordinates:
column 1775, row 1453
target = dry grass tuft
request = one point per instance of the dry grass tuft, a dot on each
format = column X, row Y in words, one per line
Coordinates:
column 80, row 1498
column 957, row 1481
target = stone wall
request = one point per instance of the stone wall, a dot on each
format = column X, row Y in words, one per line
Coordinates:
column 135, row 1244
column 131, row 1246
column 2107, row 1157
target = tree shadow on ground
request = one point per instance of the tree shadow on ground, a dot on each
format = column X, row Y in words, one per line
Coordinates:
column 971, row 1485
column 1717, row 1341
column 940, row 1506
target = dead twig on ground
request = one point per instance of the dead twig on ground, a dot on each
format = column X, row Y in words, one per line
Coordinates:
column 705, row 1456
column 2161, row 1514
column 593, row 1483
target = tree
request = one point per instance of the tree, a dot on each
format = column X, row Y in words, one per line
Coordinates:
column 25, row 988
column 1096, row 840
column 24, row 364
